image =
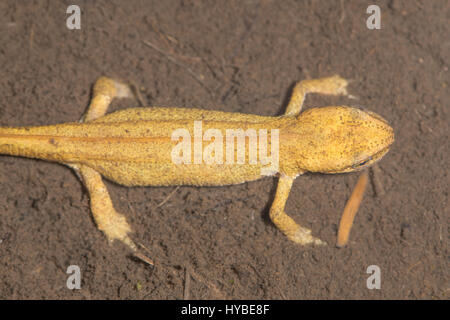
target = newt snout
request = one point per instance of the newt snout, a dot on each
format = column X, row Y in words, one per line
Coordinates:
column 371, row 140
column 343, row 139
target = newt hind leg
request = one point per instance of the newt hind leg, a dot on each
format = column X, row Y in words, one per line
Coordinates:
column 334, row 85
column 108, row 220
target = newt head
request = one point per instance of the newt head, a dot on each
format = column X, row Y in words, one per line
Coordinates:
column 342, row 139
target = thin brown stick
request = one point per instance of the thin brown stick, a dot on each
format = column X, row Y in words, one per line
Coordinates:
column 187, row 283
column 137, row 93
column 173, row 60
column 31, row 36
column 342, row 12
column 377, row 185
column 142, row 256
column 208, row 284
column 350, row 210
column 168, row 197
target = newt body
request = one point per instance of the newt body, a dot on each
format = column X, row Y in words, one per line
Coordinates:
column 133, row 147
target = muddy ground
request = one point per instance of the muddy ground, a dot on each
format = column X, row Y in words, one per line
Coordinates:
column 240, row 56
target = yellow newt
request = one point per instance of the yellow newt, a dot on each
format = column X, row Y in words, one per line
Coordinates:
column 134, row 147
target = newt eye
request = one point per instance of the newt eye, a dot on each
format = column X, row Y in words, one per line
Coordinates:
column 363, row 163
column 356, row 165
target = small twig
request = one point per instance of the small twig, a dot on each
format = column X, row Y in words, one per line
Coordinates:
column 130, row 207
column 342, row 12
column 137, row 94
column 208, row 66
column 210, row 286
column 173, row 60
column 350, row 209
column 283, row 296
column 143, row 257
column 187, row 283
column 31, row 36
column 168, row 197
column 377, row 185
column 137, row 254
column 413, row 266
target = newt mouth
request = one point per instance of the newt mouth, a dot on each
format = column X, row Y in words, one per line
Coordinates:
column 365, row 163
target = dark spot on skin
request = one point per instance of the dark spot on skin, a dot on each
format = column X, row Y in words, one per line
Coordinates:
column 355, row 114
column 53, row 142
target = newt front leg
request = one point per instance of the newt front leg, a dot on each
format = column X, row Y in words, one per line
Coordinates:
column 332, row 85
column 285, row 223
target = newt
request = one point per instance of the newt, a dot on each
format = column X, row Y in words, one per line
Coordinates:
column 133, row 147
